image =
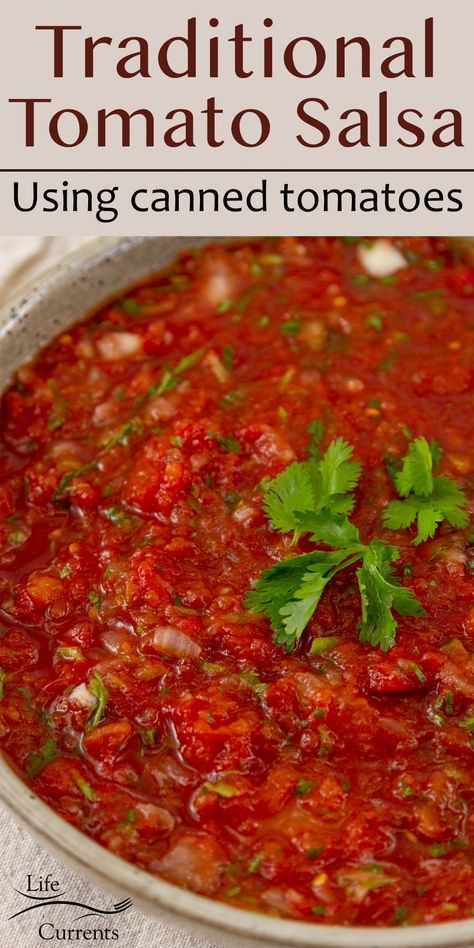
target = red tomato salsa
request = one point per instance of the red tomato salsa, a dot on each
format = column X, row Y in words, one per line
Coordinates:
column 139, row 697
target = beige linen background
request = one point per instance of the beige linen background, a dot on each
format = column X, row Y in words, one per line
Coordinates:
column 20, row 259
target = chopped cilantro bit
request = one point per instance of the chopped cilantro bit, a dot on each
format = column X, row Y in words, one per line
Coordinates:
column 255, row 863
column 71, row 475
column 98, row 690
column 232, row 497
column 318, row 910
column 227, row 354
column 16, row 537
column 119, row 517
column 224, row 306
column 148, row 738
column 228, row 443
column 250, row 678
column 314, row 851
column 86, row 789
column 263, row 321
column 428, row 500
column 57, row 416
column 400, row 914
column 304, row 786
column 66, row 571
column 231, row 397
column 94, row 598
column 322, row 643
column 130, row 305
column 2, row 683
column 374, row 322
column 170, row 377
column 360, row 279
column 438, row 849
column 234, row 891
column 37, row 760
column 405, row 665
column 291, row 327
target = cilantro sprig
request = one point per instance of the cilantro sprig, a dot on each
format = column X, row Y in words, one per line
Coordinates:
column 99, row 691
column 426, row 499
column 316, row 498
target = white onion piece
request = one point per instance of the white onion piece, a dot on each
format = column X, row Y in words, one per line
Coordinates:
column 117, row 640
column 170, row 641
column 161, row 408
column 82, row 697
column 245, row 514
column 84, row 349
column 381, row 259
column 105, row 414
column 65, row 449
column 217, row 367
column 220, row 284
column 119, row 345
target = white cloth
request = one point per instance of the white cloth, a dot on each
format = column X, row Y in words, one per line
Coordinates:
column 20, row 259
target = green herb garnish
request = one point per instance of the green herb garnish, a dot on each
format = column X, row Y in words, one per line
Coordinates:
column 317, row 498
column 86, row 789
column 99, row 691
column 37, row 760
column 428, row 500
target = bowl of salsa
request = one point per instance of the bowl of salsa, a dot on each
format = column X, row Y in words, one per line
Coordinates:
column 237, row 582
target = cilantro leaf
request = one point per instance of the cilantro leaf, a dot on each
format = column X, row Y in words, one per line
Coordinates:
column 417, row 470
column 315, row 497
column 332, row 529
column 337, row 474
column 297, row 613
column 290, row 491
column 380, row 592
column 276, row 586
column 428, row 500
column 316, row 486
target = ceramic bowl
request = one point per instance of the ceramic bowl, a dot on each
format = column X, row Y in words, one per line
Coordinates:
column 45, row 307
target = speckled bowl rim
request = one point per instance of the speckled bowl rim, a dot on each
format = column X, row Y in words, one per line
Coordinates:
column 152, row 894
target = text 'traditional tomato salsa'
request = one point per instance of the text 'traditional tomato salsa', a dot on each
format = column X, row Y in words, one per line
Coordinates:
column 309, row 754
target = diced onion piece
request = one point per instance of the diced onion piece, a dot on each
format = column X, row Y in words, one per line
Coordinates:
column 114, row 346
column 220, row 284
column 105, row 414
column 381, row 259
column 313, row 332
column 82, row 697
column 245, row 514
column 170, row 641
column 217, row 367
column 161, row 408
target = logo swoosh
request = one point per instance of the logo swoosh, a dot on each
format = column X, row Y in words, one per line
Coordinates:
column 54, row 900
